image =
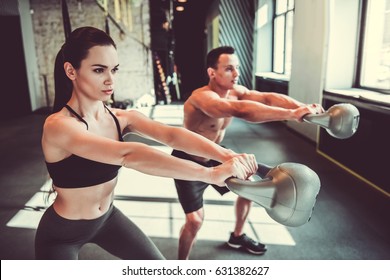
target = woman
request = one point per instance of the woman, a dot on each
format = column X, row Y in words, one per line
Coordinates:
column 83, row 148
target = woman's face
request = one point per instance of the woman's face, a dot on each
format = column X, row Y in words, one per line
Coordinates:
column 95, row 78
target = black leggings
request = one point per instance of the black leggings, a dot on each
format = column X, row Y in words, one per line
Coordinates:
column 58, row 238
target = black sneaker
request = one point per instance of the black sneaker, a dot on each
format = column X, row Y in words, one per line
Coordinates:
column 246, row 243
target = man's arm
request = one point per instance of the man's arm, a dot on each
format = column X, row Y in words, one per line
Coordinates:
column 257, row 108
column 268, row 98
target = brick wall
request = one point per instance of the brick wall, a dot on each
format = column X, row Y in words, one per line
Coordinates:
column 135, row 77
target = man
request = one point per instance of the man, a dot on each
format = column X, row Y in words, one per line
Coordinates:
column 209, row 111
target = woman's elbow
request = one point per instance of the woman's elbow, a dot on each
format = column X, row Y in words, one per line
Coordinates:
column 133, row 154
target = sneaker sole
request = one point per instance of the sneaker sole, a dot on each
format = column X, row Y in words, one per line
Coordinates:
column 246, row 249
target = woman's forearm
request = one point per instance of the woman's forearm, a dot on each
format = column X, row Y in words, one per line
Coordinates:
column 198, row 145
column 151, row 161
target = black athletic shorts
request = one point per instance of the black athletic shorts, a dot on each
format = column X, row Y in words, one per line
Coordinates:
column 190, row 193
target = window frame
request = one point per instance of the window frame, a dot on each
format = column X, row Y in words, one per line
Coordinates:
column 360, row 52
column 275, row 17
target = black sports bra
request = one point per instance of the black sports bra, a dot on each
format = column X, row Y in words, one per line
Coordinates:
column 79, row 172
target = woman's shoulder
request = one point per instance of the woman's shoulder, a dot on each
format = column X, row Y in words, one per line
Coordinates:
column 55, row 117
column 51, row 119
column 134, row 112
column 59, row 121
column 129, row 117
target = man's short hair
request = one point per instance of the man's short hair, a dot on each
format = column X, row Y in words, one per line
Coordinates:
column 214, row 54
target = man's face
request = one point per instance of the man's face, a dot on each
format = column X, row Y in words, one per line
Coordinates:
column 227, row 72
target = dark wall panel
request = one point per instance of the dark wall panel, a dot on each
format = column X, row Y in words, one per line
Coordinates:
column 236, row 29
column 367, row 152
column 15, row 92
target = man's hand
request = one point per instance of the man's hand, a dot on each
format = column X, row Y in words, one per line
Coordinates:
column 306, row 109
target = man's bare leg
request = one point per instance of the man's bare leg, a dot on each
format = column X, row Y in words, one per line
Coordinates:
column 188, row 232
column 242, row 208
column 238, row 238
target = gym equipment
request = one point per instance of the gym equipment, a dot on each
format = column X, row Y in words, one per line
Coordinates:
column 341, row 120
column 288, row 191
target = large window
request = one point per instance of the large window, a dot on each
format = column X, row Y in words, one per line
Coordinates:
column 282, row 36
column 374, row 57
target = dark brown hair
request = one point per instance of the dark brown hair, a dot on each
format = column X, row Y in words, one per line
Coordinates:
column 74, row 51
column 214, row 54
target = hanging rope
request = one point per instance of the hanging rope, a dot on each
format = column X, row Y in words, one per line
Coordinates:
column 107, row 26
column 65, row 19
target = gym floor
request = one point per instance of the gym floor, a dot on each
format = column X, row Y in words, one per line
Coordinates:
column 351, row 220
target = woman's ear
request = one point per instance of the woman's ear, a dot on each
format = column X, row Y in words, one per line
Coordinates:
column 69, row 71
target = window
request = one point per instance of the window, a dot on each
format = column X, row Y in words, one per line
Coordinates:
column 374, row 53
column 282, row 36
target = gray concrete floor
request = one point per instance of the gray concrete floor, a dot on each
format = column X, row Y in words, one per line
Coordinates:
column 350, row 219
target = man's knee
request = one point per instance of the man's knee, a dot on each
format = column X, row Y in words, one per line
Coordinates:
column 194, row 220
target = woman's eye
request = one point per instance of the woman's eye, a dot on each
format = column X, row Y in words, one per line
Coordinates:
column 115, row 70
column 98, row 70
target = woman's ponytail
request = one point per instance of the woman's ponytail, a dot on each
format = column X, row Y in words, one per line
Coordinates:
column 62, row 85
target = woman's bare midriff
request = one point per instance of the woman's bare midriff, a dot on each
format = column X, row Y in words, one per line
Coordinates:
column 84, row 203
